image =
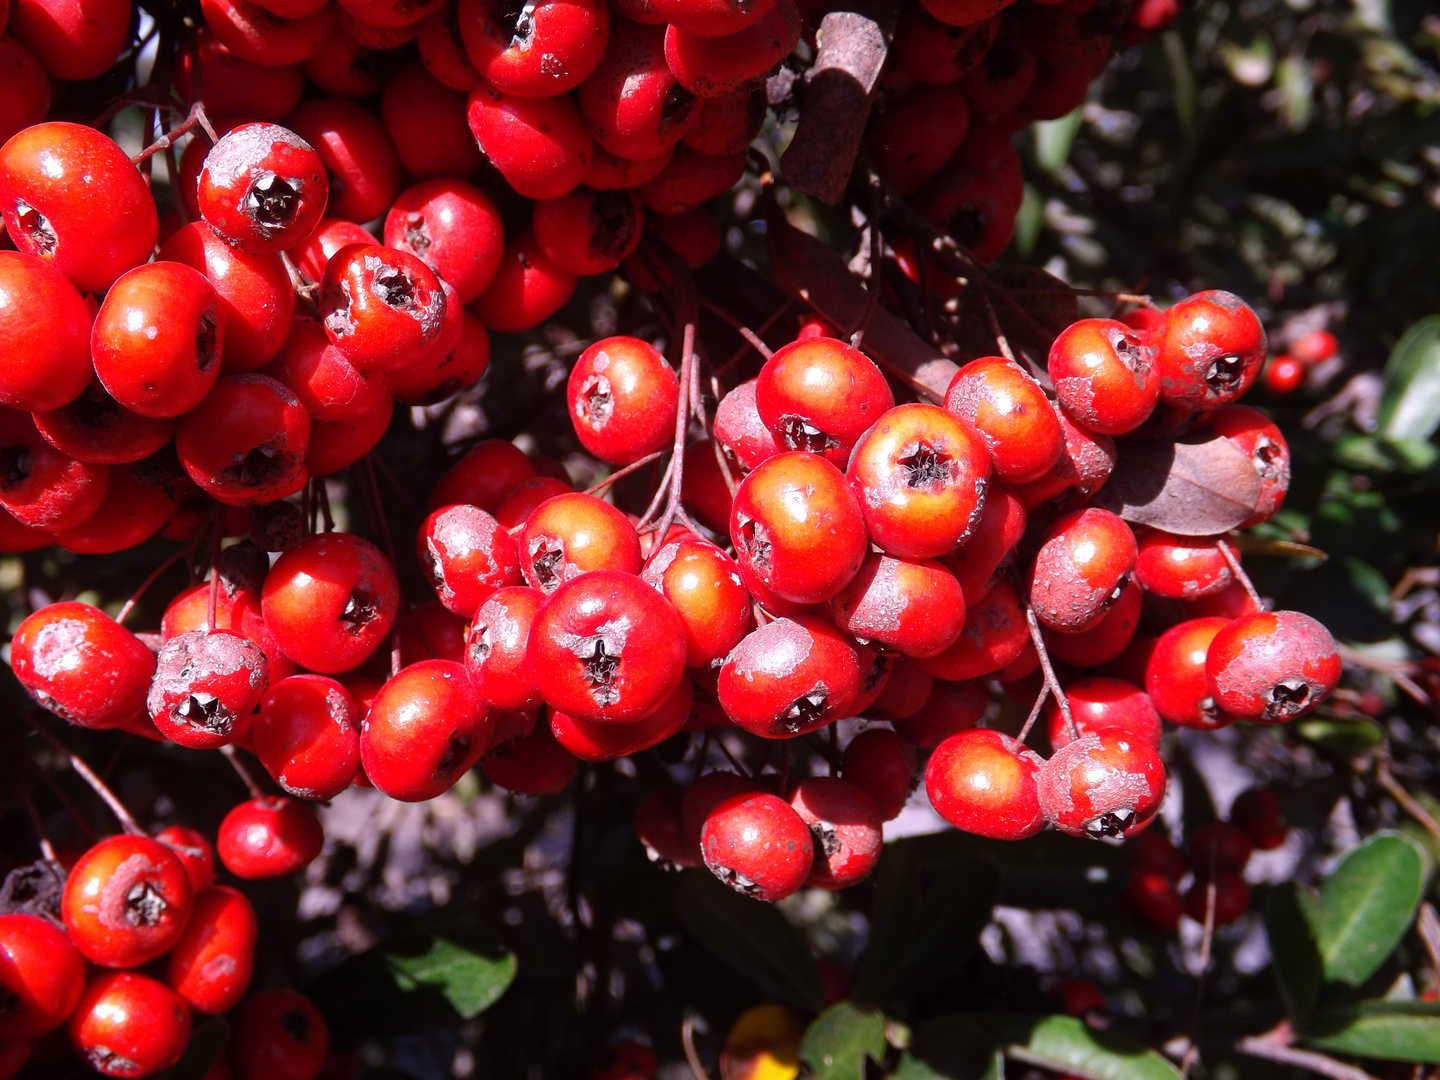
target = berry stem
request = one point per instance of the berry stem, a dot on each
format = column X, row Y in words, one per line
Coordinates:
column 1051, row 684
column 692, row 1056
column 47, row 849
column 730, row 484
column 68, row 803
column 214, row 582
column 619, row 474
column 1412, row 806
column 676, row 472
column 122, row 815
column 246, row 776
column 739, row 354
column 1233, row 561
column 150, row 579
column 733, row 759
column 195, row 119
column 752, row 339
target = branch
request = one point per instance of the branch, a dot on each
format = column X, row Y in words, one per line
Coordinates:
column 1271, row 1048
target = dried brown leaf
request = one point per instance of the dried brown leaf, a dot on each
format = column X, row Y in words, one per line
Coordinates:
column 1186, row 488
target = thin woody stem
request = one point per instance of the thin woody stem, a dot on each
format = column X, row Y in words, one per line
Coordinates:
column 241, row 770
column 127, row 821
column 1051, row 684
column 1233, row 561
column 196, row 119
column 619, row 474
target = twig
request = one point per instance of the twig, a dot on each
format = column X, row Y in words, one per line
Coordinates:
column 1412, row 805
column 733, row 759
column 1427, row 925
column 682, row 426
column 751, row 337
column 687, row 1039
column 150, row 580
column 164, row 142
column 618, row 474
column 719, row 452
column 47, row 849
column 256, row 791
column 1399, row 670
column 122, row 815
column 995, row 329
column 872, row 278
column 1270, row 1048
column 739, row 353
column 1207, row 945
column 1233, row 561
column 1051, row 682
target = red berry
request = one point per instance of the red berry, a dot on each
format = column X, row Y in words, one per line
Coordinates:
column 307, row 735
column 937, row 54
column 73, row 39
column 1104, row 704
column 797, row 528
column 658, row 827
column 1232, row 897
column 1314, row 347
column 255, row 34
column 988, row 546
column 994, row 637
column 711, row 66
column 591, row 740
column 921, row 477
column 527, row 289
column 380, row 306
column 540, row 145
column 1104, row 641
column 1208, row 350
column 453, row 228
column 45, row 328
column 206, row 686
column 425, row 727
column 741, row 433
column 466, row 556
column 631, row 103
column 278, row 1035
column 1175, row 675
column 845, row 824
column 821, row 395
column 496, row 645
column 1219, row 846
column 622, row 397
column 126, row 901
column 330, row 601
column 1011, row 414
column 883, row 763
column 193, row 851
column 1081, row 569
column 913, row 607
column 606, row 647
column 425, row 120
column 1102, row 784
column 40, row 486
column 1104, row 375
column 82, row 665
column 758, row 845
column 703, row 585
column 950, row 708
column 916, row 134
column 533, row 765
column 790, row 676
column 357, row 154
column 574, row 534
column 1283, row 375
column 483, row 476
column 211, row 964
column 1151, row 850
column 41, row 976
column 1183, row 567
column 129, row 1025
column 269, row 837
column 1153, row 897
column 329, row 386
column 1253, row 433
column 263, row 188
column 1272, row 666
column 1257, row 811
column 984, row 782
column 245, row 443
column 547, row 52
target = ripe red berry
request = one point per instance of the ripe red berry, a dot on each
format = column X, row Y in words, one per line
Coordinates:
column 1104, row 375
column 606, row 647
column 574, row 534
column 483, row 476
column 380, row 306
column 988, row 546
column 211, row 964
column 921, row 477
column 255, row 34
column 1153, row 897
column 425, row 727
column 546, row 53
column 453, row 228
column 821, row 395
column 357, row 154
column 278, row 1035
column 883, row 763
column 1208, row 350
column 1175, row 675
column 1283, row 375
column 658, row 827
column 703, row 585
column 1257, row 811
column 496, row 644
column 263, row 188
column 994, row 637
column 193, row 851
column 41, row 976
column 711, row 66
column 245, row 443
column 540, row 145
column 40, row 486
column 1150, row 849
column 206, row 686
column 937, row 54
column 948, row 709
column 126, row 901
column 758, row 845
column 1272, row 666
column 790, row 676
column 1081, row 569
column 129, row 1025
column 466, row 556
column 797, row 528
column 622, row 397
column 330, row 601
column 533, row 765
column 914, row 607
column 1102, row 785
column 45, row 328
column 1183, row 567
column 591, row 740
column 425, row 120
column 631, row 102
column 307, row 735
column 1011, row 414
column 1103, row 704
column 269, row 837
column 1256, row 436
column 527, row 288
column 1107, row 639
column 72, row 197
column 741, row 433
column 846, row 826
column 82, row 665
column 1314, row 347
column 984, row 782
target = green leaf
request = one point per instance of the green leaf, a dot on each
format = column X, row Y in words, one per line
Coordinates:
column 1347, row 736
column 752, row 937
column 1412, row 384
column 1066, row 1045
column 207, row 1043
column 1366, row 906
column 839, row 1040
column 950, row 1048
column 469, row 980
column 892, row 924
column 1053, row 139
column 1291, row 917
column 1393, row 1031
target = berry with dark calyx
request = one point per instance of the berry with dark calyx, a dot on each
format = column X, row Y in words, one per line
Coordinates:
column 1103, row 704
column 269, row 837
column 755, row 843
column 1081, row 569
column 574, row 534
column 96, row 428
column 1272, row 666
column 307, row 735
column 588, row 232
column 263, row 188
column 790, row 677
column 194, row 851
column 883, row 763
column 607, row 648
column 820, row 395
column 533, row 765
column 278, row 1035
column 797, row 528
column 211, row 964
column 1208, row 350
column 1257, row 811
column 622, row 397
column 846, row 826
column 424, row 728
column 1104, row 375
column 41, row 976
column 452, row 227
column 380, row 306
column 1102, row 784
column 913, row 607
column 126, row 901
column 1011, row 414
column 40, row 486
column 330, row 601
column 1232, row 897
column 466, row 556
column 984, row 782
column 540, row 50
column 632, row 103
column 495, row 648
column 129, row 1025
column 245, row 443
column 206, row 686
column 921, row 477
column 82, row 665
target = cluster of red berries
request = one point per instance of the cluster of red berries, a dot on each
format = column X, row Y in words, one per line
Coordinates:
column 1285, row 372
column 1210, row 870
column 130, row 902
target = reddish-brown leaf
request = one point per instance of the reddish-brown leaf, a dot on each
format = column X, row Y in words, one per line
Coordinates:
column 1186, row 488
